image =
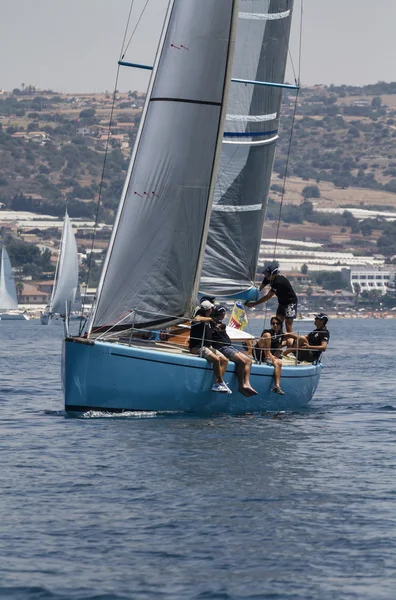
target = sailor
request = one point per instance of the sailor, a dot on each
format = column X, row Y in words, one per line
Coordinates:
column 282, row 289
column 210, row 299
column 313, row 344
column 221, row 341
column 200, row 344
column 267, row 349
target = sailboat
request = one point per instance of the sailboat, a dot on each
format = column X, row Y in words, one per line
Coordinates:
column 185, row 199
column 66, row 277
column 8, row 294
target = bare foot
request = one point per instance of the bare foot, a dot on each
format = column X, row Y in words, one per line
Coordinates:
column 247, row 391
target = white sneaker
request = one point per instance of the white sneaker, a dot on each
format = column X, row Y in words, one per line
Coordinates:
column 228, row 389
column 220, row 387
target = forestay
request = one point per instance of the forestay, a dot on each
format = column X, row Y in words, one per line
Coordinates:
column 248, row 148
column 66, row 279
column 8, row 293
column 151, row 272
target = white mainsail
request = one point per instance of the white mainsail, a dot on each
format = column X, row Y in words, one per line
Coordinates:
column 153, row 264
column 66, row 277
column 8, row 293
column 248, row 148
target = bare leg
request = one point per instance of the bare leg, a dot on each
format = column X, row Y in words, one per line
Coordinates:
column 298, row 344
column 244, row 364
column 223, row 365
column 289, row 325
column 265, row 344
column 277, row 371
column 219, row 363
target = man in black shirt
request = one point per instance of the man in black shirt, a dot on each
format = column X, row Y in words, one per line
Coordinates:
column 267, row 349
column 200, row 344
column 221, row 341
column 282, row 289
column 313, row 344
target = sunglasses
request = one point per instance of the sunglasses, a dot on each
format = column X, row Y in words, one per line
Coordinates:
column 275, row 323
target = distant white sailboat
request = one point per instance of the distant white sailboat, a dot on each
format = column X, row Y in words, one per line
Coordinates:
column 8, row 294
column 66, row 277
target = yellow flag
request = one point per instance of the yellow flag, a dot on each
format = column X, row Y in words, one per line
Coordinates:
column 238, row 318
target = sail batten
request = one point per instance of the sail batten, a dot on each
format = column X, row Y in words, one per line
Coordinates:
column 248, row 148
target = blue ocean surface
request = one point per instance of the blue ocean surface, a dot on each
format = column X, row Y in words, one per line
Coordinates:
column 273, row 506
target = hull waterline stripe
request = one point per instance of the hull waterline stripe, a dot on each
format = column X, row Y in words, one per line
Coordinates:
column 185, row 100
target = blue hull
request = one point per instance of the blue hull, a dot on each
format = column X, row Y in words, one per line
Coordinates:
column 115, row 377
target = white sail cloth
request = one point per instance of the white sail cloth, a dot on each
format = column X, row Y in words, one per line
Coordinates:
column 248, row 148
column 66, row 279
column 151, row 270
column 8, row 293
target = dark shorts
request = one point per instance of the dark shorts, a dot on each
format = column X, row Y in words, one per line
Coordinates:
column 229, row 352
column 287, row 310
column 307, row 356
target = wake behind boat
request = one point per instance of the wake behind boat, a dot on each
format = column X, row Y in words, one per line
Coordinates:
column 151, row 275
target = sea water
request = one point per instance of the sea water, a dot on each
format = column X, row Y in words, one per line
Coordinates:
column 280, row 506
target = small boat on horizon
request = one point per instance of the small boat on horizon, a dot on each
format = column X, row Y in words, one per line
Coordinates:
column 66, row 278
column 8, row 293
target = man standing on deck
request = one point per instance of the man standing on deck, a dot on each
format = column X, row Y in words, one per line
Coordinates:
column 282, row 289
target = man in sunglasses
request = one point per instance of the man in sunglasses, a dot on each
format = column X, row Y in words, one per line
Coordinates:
column 313, row 344
column 267, row 350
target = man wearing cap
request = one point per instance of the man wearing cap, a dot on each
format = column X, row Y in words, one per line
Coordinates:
column 282, row 289
column 222, row 342
column 313, row 344
column 200, row 344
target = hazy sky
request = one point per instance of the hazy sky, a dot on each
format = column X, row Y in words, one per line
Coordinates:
column 74, row 45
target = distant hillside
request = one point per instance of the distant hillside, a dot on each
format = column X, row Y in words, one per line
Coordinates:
column 52, row 148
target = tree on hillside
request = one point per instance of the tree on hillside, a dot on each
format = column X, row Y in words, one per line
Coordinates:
column 87, row 113
column 310, row 191
column 304, row 269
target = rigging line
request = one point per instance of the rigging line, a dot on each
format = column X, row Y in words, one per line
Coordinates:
column 283, row 189
column 100, row 192
column 286, row 172
column 134, row 30
column 122, row 53
column 296, row 81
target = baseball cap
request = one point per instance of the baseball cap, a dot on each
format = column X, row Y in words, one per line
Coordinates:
column 219, row 310
column 322, row 316
column 206, row 305
column 271, row 270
